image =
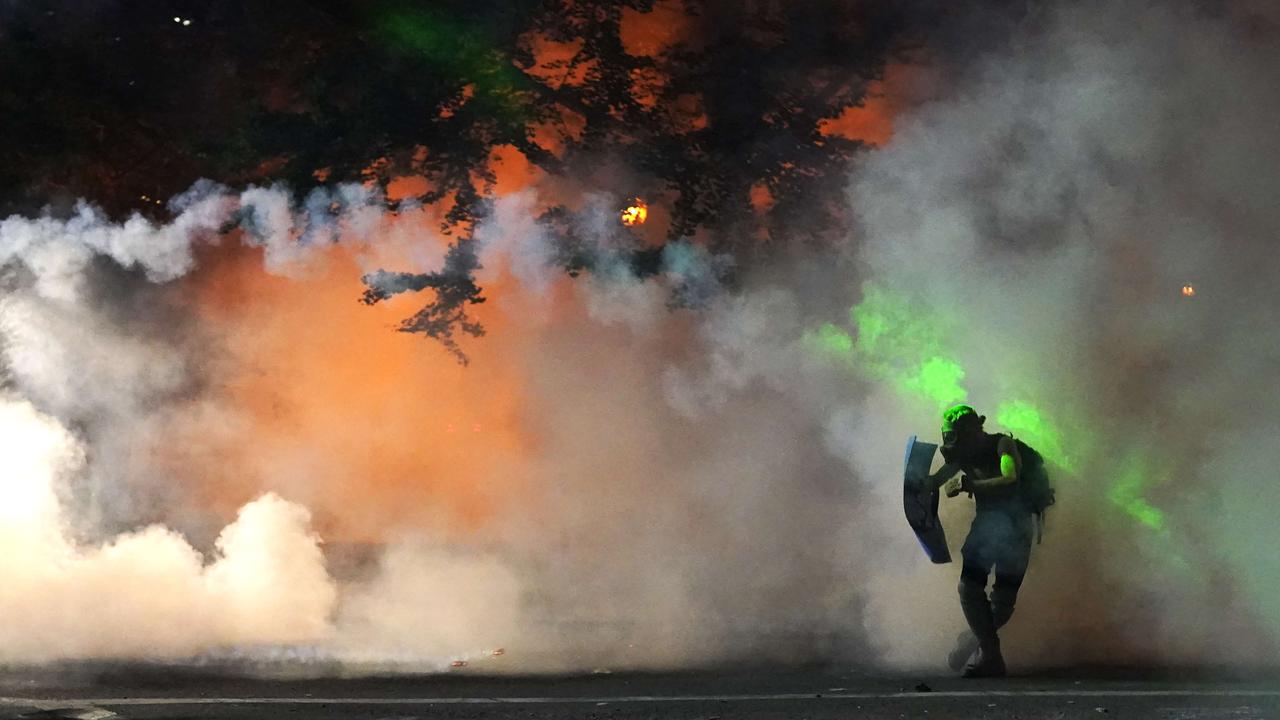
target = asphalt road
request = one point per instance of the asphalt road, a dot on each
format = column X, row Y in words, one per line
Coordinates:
column 132, row 691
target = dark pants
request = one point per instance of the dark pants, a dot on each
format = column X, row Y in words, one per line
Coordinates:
column 999, row 540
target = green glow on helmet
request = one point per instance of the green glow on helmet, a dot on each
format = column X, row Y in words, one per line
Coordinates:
column 954, row 414
column 1126, row 493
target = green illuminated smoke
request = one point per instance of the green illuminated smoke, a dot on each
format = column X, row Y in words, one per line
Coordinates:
column 831, row 340
column 439, row 39
column 458, row 49
column 1026, row 421
column 896, row 344
column 939, row 380
column 1126, row 493
column 892, row 341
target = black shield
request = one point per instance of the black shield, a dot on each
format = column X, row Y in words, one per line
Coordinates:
column 920, row 500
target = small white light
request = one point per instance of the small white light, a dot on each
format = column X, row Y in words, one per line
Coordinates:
column 186, row 22
column 177, row 19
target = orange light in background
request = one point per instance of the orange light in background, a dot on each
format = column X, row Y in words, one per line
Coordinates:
column 871, row 122
column 554, row 134
column 403, row 187
column 319, row 399
column 687, row 113
column 555, row 63
column 1188, row 291
column 512, row 171
column 646, row 86
column 761, row 197
column 649, row 34
column 636, row 213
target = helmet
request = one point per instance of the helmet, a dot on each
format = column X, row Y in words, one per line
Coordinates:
column 956, row 417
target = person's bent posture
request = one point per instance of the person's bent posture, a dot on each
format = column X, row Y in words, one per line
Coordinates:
column 999, row 539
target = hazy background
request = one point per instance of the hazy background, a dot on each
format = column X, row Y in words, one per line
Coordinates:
column 197, row 412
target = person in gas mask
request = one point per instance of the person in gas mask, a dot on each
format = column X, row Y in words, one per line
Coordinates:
column 1006, row 479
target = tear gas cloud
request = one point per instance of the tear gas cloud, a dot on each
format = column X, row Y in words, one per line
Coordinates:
column 1045, row 218
column 197, row 413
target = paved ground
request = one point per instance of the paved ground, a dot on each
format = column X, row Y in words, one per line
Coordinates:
column 105, row 691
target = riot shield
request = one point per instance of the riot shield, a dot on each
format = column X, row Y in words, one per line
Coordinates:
column 921, row 501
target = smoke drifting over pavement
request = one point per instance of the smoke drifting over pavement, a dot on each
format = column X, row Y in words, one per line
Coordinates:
column 615, row 483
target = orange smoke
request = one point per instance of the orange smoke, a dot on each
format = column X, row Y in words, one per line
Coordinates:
column 649, row 34
column 315, row 395
column 319, row 398
column 556, row 63
column 511, row 170
column 872, row 121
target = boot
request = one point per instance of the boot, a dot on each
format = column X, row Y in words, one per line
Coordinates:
column 986, row 662
column 966, row 646
column 1003, row 596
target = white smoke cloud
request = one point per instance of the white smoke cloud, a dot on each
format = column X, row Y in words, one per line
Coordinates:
column 108, row 372
column 701, row 486
column 77, row 357
column 57, row 251
column 511, row 236
column 148, row 592
column 426, row 607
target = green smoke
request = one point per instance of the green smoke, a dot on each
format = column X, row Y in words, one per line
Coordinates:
column 1126, row 492
column 1029, row 423
column 454, row 49
column 891, row 341
column 937, row 379
column 894, row 343
column 830, row 340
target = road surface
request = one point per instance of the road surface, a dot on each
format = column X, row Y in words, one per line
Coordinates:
column 103, row 691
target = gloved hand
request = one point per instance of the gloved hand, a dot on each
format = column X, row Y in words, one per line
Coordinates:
column 953, row 487
column 957, row 485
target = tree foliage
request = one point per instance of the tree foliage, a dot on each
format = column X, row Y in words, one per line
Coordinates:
column 119, row 103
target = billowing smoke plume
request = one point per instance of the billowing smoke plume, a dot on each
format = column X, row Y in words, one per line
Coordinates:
column 147, row 592
column 1086, row 221
column 618, row 479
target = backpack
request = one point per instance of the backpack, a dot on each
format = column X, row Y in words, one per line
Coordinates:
column 1034, row 484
